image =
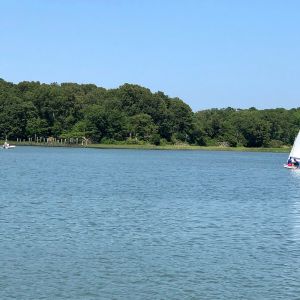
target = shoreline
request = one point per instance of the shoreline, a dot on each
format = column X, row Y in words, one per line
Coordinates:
column 153, row 147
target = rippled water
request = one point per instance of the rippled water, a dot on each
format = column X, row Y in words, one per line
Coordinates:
column 133, row 224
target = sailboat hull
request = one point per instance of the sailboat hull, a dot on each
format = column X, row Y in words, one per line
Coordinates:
column 290, row 167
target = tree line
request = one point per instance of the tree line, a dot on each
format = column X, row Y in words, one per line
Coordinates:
column 133, row 114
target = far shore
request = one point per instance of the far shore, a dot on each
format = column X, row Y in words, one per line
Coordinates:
column 284, row 149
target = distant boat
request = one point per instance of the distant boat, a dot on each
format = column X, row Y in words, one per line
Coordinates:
column 294, row 157
column 6, row 145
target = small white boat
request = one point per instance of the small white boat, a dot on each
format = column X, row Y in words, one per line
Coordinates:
column 294, row 156
column 6, row 145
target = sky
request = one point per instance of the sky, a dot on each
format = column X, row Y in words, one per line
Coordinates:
column 209, row 53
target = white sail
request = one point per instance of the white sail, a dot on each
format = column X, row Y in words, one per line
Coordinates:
column 295, row 152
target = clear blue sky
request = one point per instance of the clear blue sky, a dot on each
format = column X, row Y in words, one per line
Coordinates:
column 209, row 53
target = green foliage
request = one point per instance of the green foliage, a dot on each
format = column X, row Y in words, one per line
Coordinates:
column 249, row 127
column 155, row 139
column 142, row 127
column 133, row 114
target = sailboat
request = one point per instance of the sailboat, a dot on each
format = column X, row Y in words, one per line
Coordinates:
column 294, row 154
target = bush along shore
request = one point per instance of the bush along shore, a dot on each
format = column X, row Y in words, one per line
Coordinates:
column 147, row 146
column 131, row 116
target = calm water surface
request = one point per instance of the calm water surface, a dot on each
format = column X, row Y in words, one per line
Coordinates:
column 133, row 224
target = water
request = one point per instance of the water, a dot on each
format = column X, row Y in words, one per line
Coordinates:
column 133, row 224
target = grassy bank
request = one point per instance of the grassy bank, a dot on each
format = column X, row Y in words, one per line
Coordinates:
column 189, row 147
column 285, row 149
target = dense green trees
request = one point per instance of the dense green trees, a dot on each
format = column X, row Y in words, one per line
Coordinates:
column 134, row 114
column 249, row 127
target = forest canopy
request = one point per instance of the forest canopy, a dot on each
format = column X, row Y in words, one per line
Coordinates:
column 134, row 114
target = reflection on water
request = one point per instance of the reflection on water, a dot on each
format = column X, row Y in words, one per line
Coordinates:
column 295, row 191
column 127, row 224
column 295, row 174
column 296, row 219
